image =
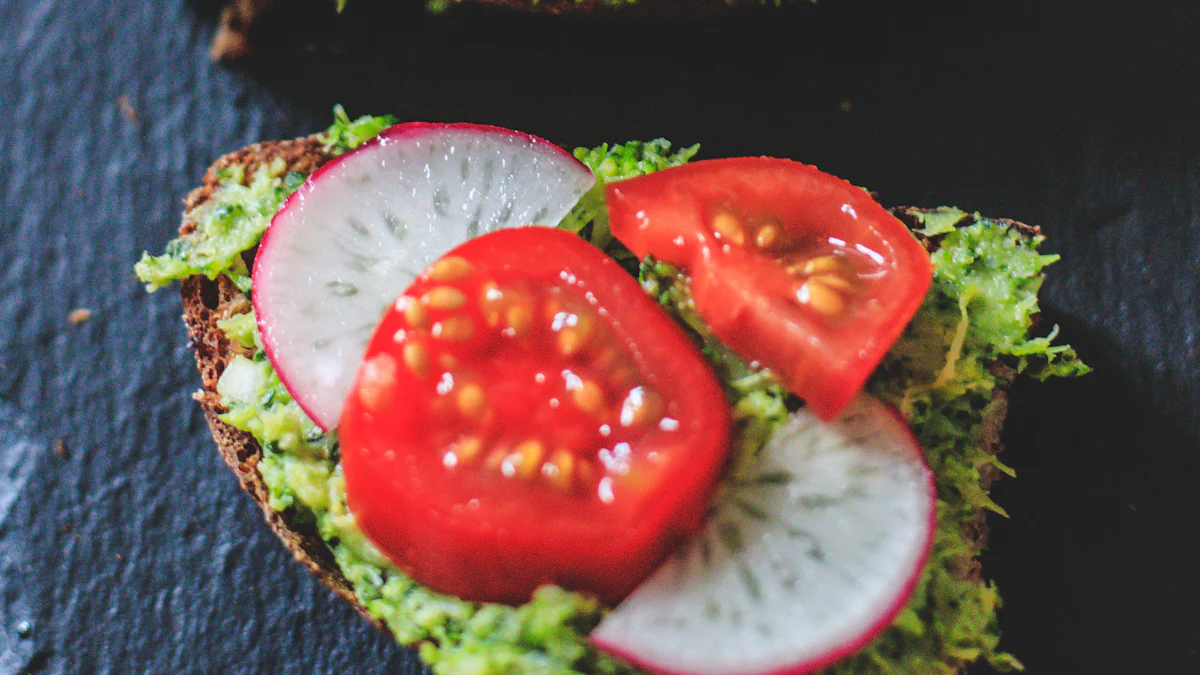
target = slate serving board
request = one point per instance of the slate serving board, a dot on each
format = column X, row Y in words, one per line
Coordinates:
column 125, row 545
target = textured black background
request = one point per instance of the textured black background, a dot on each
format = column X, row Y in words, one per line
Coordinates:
column 134, row 551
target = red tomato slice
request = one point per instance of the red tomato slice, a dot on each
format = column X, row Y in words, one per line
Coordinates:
column 525, row 415
column 791, row 267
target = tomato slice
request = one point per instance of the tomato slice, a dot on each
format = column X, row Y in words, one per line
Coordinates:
column 524, row 415
column 791, row 267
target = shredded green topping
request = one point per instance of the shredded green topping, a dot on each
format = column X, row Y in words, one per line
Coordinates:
column 233, row 219
column 589, row 218
column 346, row 134
column 229, row 223
column 966, row 341
column 635, row 158
column 963, row 345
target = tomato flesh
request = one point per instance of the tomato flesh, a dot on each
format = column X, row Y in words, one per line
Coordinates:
column 791, row 267
column 525, row 414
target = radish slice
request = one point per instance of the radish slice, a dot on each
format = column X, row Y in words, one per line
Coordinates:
column 364, row 225
column 804, row 560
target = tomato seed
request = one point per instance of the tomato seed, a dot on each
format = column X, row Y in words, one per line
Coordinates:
column 558, row 470
column 453, row 268
column 416, row 358
column 767, row 236
column 519, row 318
column 834, row 281
column 589, row 398
column 467, row 449
column 524, row 460
column 444, row 297
column 640, row 407
column 455, row 328
column 823, row 265
column 569, row 341
column 820, row 297
column 471, row 401
column 573, row 331
column 728, row 228
column 415, row 313
column 377, row 383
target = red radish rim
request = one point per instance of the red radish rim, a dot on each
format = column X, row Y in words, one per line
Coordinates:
column 867, row 636
column 391, row 134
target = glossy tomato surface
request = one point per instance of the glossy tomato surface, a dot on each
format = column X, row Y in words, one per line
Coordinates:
column 525, row 415
column 791, row 267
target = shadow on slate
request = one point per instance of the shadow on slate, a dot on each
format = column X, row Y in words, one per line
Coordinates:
column 153, row 562
column 1096, row 561
column 1077, row 116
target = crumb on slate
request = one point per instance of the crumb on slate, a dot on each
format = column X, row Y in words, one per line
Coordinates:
column 78, row 316
column 126, row 107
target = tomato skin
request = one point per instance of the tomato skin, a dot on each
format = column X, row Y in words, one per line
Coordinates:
column 472, row 530
column 749, row 290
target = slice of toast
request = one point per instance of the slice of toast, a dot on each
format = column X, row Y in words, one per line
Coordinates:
column 205, row 302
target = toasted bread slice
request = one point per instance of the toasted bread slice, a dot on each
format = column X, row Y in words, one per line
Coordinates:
column 205, row 302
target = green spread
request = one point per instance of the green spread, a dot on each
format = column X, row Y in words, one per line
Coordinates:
column 225, row 226
column 978, row 310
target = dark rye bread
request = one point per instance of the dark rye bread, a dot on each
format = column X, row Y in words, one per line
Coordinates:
column 205, row 302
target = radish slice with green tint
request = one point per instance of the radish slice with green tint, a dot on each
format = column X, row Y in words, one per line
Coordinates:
column 363, row 226
column 809, row 554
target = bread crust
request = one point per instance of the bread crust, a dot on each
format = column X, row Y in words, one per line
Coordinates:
column 205, row 302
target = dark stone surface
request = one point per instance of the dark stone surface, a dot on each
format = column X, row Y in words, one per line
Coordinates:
column 130, row 548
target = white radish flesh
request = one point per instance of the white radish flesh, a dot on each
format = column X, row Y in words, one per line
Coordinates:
column 805, row 559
